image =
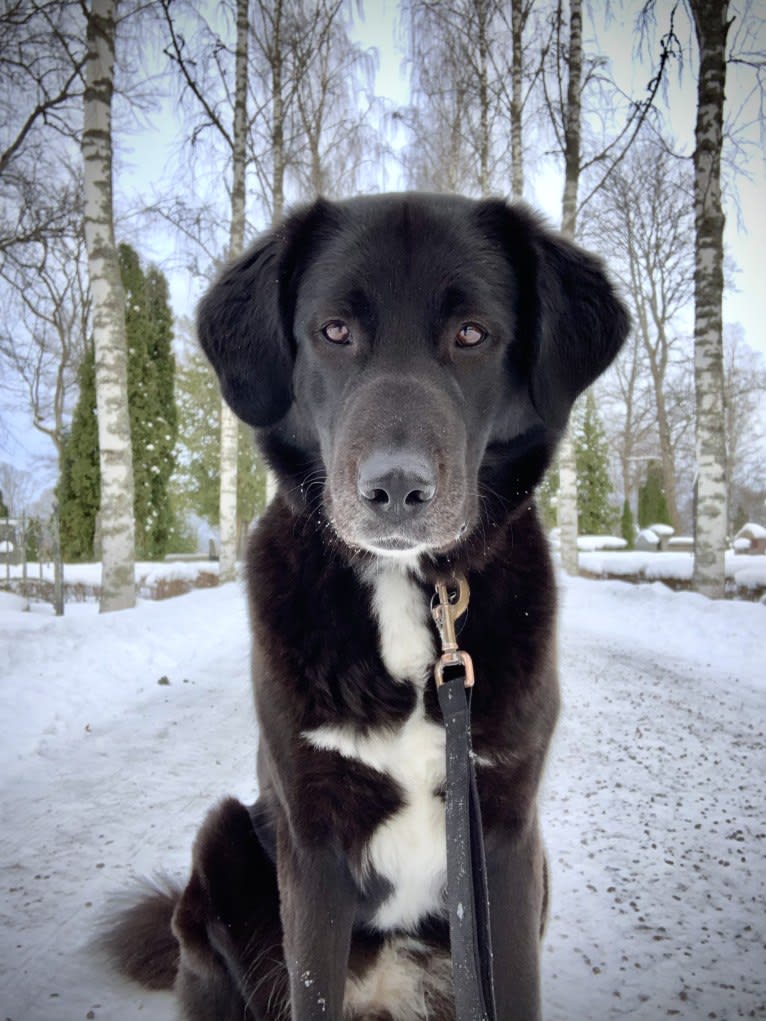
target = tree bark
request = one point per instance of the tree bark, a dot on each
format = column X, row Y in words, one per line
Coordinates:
column 710, row 514
column 118, row 590
column 484, row 129
column 567, row 498
column 277, row 119
column 517, row 58
column 227, row 509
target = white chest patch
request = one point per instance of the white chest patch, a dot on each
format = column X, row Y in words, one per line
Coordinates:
column 404, row 623
column 409, row 848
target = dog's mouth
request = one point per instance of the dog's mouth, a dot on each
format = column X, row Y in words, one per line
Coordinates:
column 393, row 544
column 395, row 547
column 399, row 545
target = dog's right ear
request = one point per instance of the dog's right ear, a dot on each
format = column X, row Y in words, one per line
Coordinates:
column 244, row 322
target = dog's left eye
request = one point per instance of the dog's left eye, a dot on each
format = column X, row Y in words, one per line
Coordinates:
column 337, row 332
column 469, row 335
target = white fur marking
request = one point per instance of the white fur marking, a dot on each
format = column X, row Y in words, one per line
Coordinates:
column 404, row 623
column 409, row 848
column 397, row 983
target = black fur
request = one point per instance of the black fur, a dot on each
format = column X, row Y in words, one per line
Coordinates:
column 401, row 439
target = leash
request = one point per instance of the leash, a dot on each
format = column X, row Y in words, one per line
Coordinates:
column 467, row 894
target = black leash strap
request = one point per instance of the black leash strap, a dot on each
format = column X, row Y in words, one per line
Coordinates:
column 467, row 894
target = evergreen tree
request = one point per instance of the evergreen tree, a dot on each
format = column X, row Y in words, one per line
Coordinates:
column 739, row 521
column 165, row 417
column 196, row 479
column 627, row 524
column 652, row 505
column 33, row 537
column 148, row 323
column 3, row 507
column 595, row 515
column 79, row 487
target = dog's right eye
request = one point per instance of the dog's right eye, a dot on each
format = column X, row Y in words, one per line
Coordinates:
column 337, row 332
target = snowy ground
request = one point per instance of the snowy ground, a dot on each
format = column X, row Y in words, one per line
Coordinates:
column 119, row 731
column 746, row 574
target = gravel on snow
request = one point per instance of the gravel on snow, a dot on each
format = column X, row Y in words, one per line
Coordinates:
column 654, row 811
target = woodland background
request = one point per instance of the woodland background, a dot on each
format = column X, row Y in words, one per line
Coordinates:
column 256, row 105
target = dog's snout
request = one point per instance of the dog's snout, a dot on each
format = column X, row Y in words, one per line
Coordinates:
column 396, row 486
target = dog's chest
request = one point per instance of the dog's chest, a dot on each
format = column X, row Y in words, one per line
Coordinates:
column 407, row 849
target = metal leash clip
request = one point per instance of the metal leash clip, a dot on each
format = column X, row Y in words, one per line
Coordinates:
column 446, row 608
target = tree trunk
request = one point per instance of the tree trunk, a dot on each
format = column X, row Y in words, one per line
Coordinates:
column 118, row 590
column 277, row 120
column 484, row 139
column 710, row 510
column 227, row 507
column 567, row 498
column 667, row 458
column 517, row 57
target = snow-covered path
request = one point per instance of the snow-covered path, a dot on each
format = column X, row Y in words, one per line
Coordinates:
column 654, row 814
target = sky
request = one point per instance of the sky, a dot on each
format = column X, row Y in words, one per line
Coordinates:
column 148, row 153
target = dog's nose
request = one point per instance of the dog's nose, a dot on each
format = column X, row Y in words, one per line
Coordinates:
column 396, row 486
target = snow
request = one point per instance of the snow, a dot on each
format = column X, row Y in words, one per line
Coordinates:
column 9, row 601
column 148, row 572
column 597, row 542
column 654, row 809
column 744, row 572
column 753, row 530
column 649, row 536
column 662, row 530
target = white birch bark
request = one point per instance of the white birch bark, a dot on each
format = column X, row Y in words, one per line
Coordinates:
column 566, row 508
column 227, row 507
column 710, row 517
column 517, row 59
column 118, row 590
column 227, row 494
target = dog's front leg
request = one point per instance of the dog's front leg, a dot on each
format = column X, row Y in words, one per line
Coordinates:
column 318, row 903
column 515, row 880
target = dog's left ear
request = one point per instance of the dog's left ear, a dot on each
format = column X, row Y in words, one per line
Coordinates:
column 567, row 310
column 244, row 322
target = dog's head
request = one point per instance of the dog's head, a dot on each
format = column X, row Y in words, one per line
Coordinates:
column 413, row 358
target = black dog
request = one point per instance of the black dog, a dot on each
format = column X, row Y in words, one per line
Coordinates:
column 409, row 363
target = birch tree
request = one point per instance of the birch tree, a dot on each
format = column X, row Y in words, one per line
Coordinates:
column 229, row 422
column 455, row 109
column 571, row 120
column 645, row 220
column 118, row 589
column 711, row 28
column 566, row 75
column 233, row 136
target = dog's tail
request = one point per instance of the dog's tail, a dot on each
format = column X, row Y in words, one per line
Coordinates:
column 138, row 939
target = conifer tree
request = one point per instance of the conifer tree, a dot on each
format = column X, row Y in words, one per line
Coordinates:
column 627, row 524
column 3, row 506
column 595, row 514
column 140, row 387
column 148, row 323
column 159, row 534
column 196, row 478
column 652, row 505
column 79, row 488
column 33, row 536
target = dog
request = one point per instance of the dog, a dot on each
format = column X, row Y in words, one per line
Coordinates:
column 408, row 363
